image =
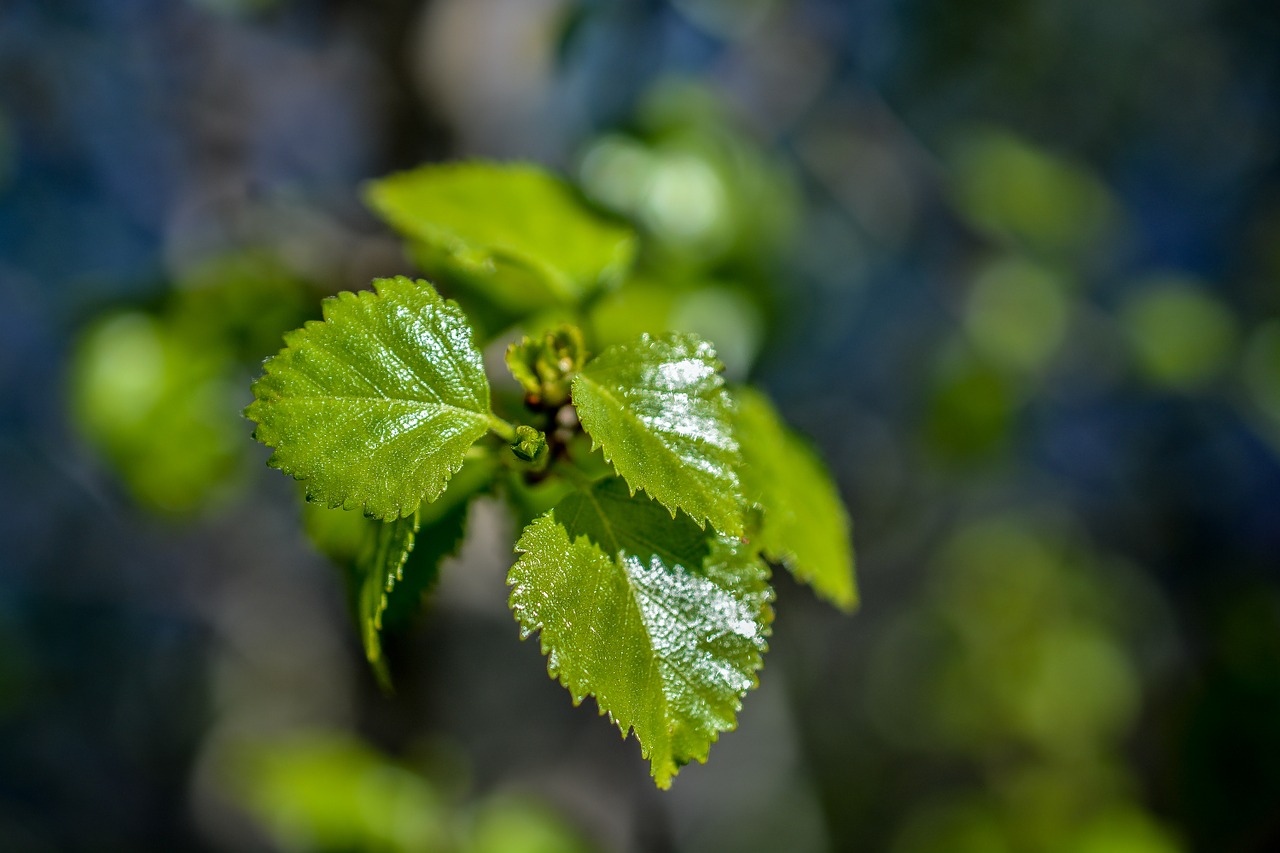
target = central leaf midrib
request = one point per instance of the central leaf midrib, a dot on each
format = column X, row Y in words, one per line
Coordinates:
column 633, row 588
column 387, row 401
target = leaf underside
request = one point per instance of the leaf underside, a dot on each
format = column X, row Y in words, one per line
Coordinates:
column 659, row 410
column 804, row 525
column 379, row 567
column 494, row 221
column 375, row 406
column 400, row 560
column 663, row 622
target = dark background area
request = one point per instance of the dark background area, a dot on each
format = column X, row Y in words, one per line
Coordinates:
column 1014, row 267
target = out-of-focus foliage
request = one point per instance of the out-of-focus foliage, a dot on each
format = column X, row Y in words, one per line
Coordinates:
column 1181, row 336
column 323, row 792
column 1023, row 194
column 1018, row 313
column 716, row 212
column 512, row 236
column 1024, row 663
column 326, row 791
column 156, row 404
column 1262, row 369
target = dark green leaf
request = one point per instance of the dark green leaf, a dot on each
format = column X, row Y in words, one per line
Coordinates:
column 399, row 562
column 380, row 567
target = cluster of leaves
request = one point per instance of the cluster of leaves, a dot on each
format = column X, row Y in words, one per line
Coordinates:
column 642, row 567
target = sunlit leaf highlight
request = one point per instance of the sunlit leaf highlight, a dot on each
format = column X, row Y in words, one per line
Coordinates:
column 662, row 622
column 659, row 410
column 374, row 407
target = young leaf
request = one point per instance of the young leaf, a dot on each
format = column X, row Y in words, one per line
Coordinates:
column 436, row 540
column 400, row 560
column 375, row 406
column 659, row 410
column 804, row 526
column 663, row 622
column 379, row 566
column 480, row 217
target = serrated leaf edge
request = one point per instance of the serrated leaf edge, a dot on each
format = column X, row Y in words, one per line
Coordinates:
column 663, row 780
column 701, row 519
column 342, row 497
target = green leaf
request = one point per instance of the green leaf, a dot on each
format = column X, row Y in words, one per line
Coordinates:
column 545, row 367
column 659, row 410
column 490, row 223
column 663, row 622
column 341, row 534
column 160, row 407
column 804, row 526
column 375, row 406
column 326, row 790
column 399, row 562
column 380, row 567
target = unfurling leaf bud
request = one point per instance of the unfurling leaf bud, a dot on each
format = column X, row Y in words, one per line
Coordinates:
column 545, row 367
column 531, row 445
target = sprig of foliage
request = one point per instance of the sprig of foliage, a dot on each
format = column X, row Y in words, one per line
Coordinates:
column 646, row 580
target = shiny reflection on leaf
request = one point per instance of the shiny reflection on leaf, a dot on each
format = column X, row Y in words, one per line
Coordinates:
column 663, row 622
column 659, row 410
column 375, row 407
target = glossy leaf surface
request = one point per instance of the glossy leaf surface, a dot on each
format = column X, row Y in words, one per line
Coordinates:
column 659, row 410
column 663, row 622
column 804, row 524
column 492, row 222
column 375, row 407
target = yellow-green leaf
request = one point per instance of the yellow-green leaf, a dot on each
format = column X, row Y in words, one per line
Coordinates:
column 663, row 622
column 375, row 406
column 804, row 524
column 659, row 410
column 516, row 233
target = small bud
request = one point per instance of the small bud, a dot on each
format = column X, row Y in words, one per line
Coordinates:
column 544, row 368
column 521, row 361
column 531, row 444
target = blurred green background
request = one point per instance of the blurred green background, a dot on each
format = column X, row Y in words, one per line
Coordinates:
column 1013, row 265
